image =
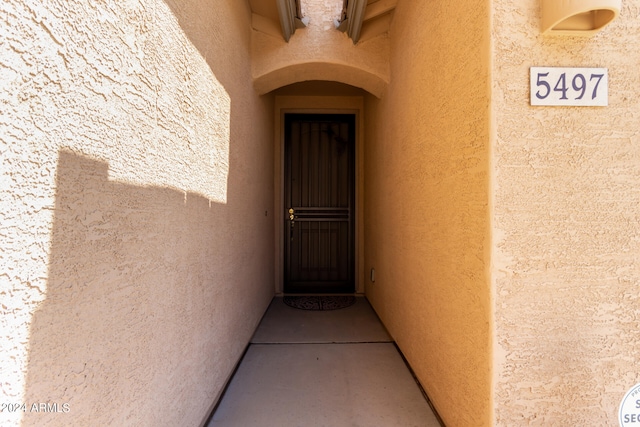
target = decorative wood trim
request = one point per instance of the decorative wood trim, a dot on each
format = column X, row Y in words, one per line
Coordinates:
column 355, row 13
column 290, row 17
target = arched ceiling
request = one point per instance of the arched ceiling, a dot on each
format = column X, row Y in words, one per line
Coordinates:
column 320, row 50
column 311, row 71
column 360, row 19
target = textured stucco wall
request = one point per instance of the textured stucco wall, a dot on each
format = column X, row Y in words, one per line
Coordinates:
column 426, row 202
column 566, row 226
column 135, row 208
column 320, row 52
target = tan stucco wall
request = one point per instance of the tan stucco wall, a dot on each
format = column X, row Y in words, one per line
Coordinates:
column 566, row 226
column 137, row 205
column 136, row 201
column 426, row 202
column 320, row 52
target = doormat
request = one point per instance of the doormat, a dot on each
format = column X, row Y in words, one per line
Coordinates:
column 319, row 302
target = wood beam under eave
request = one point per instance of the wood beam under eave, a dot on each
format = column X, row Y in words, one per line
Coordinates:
column 355, row 15
column 290, row 19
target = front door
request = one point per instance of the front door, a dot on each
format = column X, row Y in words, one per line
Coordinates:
column 319, row 198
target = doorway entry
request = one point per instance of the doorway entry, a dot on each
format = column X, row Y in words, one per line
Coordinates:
column 319, row 195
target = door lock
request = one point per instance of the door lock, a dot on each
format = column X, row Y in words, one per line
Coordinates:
column 292, row 219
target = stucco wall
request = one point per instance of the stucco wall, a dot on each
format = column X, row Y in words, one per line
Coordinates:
column 426, row 202
column 566, row 226
column 135, row 208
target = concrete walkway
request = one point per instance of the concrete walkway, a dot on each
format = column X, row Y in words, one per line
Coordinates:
column 322, row 368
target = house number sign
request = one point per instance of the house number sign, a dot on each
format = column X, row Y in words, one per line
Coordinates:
column 569, row 86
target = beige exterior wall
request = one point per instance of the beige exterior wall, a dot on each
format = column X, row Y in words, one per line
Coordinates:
column 135, row 208
column 138, row 199
column 426, row 202
column 566, row 226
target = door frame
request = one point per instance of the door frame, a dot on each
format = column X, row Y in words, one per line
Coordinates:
column 317, row 105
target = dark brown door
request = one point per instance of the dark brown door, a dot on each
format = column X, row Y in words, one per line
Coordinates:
column 319, row 198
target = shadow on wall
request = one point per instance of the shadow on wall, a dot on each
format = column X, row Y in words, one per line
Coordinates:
column 152, row 292
column 131, row 322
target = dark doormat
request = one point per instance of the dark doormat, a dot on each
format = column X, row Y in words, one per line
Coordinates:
column 319, row 302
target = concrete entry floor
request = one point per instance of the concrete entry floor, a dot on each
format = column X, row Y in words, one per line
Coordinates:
column 322, row 368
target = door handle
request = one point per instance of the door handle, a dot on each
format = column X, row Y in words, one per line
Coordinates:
column 292, row 219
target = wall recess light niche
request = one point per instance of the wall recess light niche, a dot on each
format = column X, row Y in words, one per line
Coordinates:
column 578, row 17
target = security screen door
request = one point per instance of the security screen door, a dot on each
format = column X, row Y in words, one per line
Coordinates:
column 319, row 198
